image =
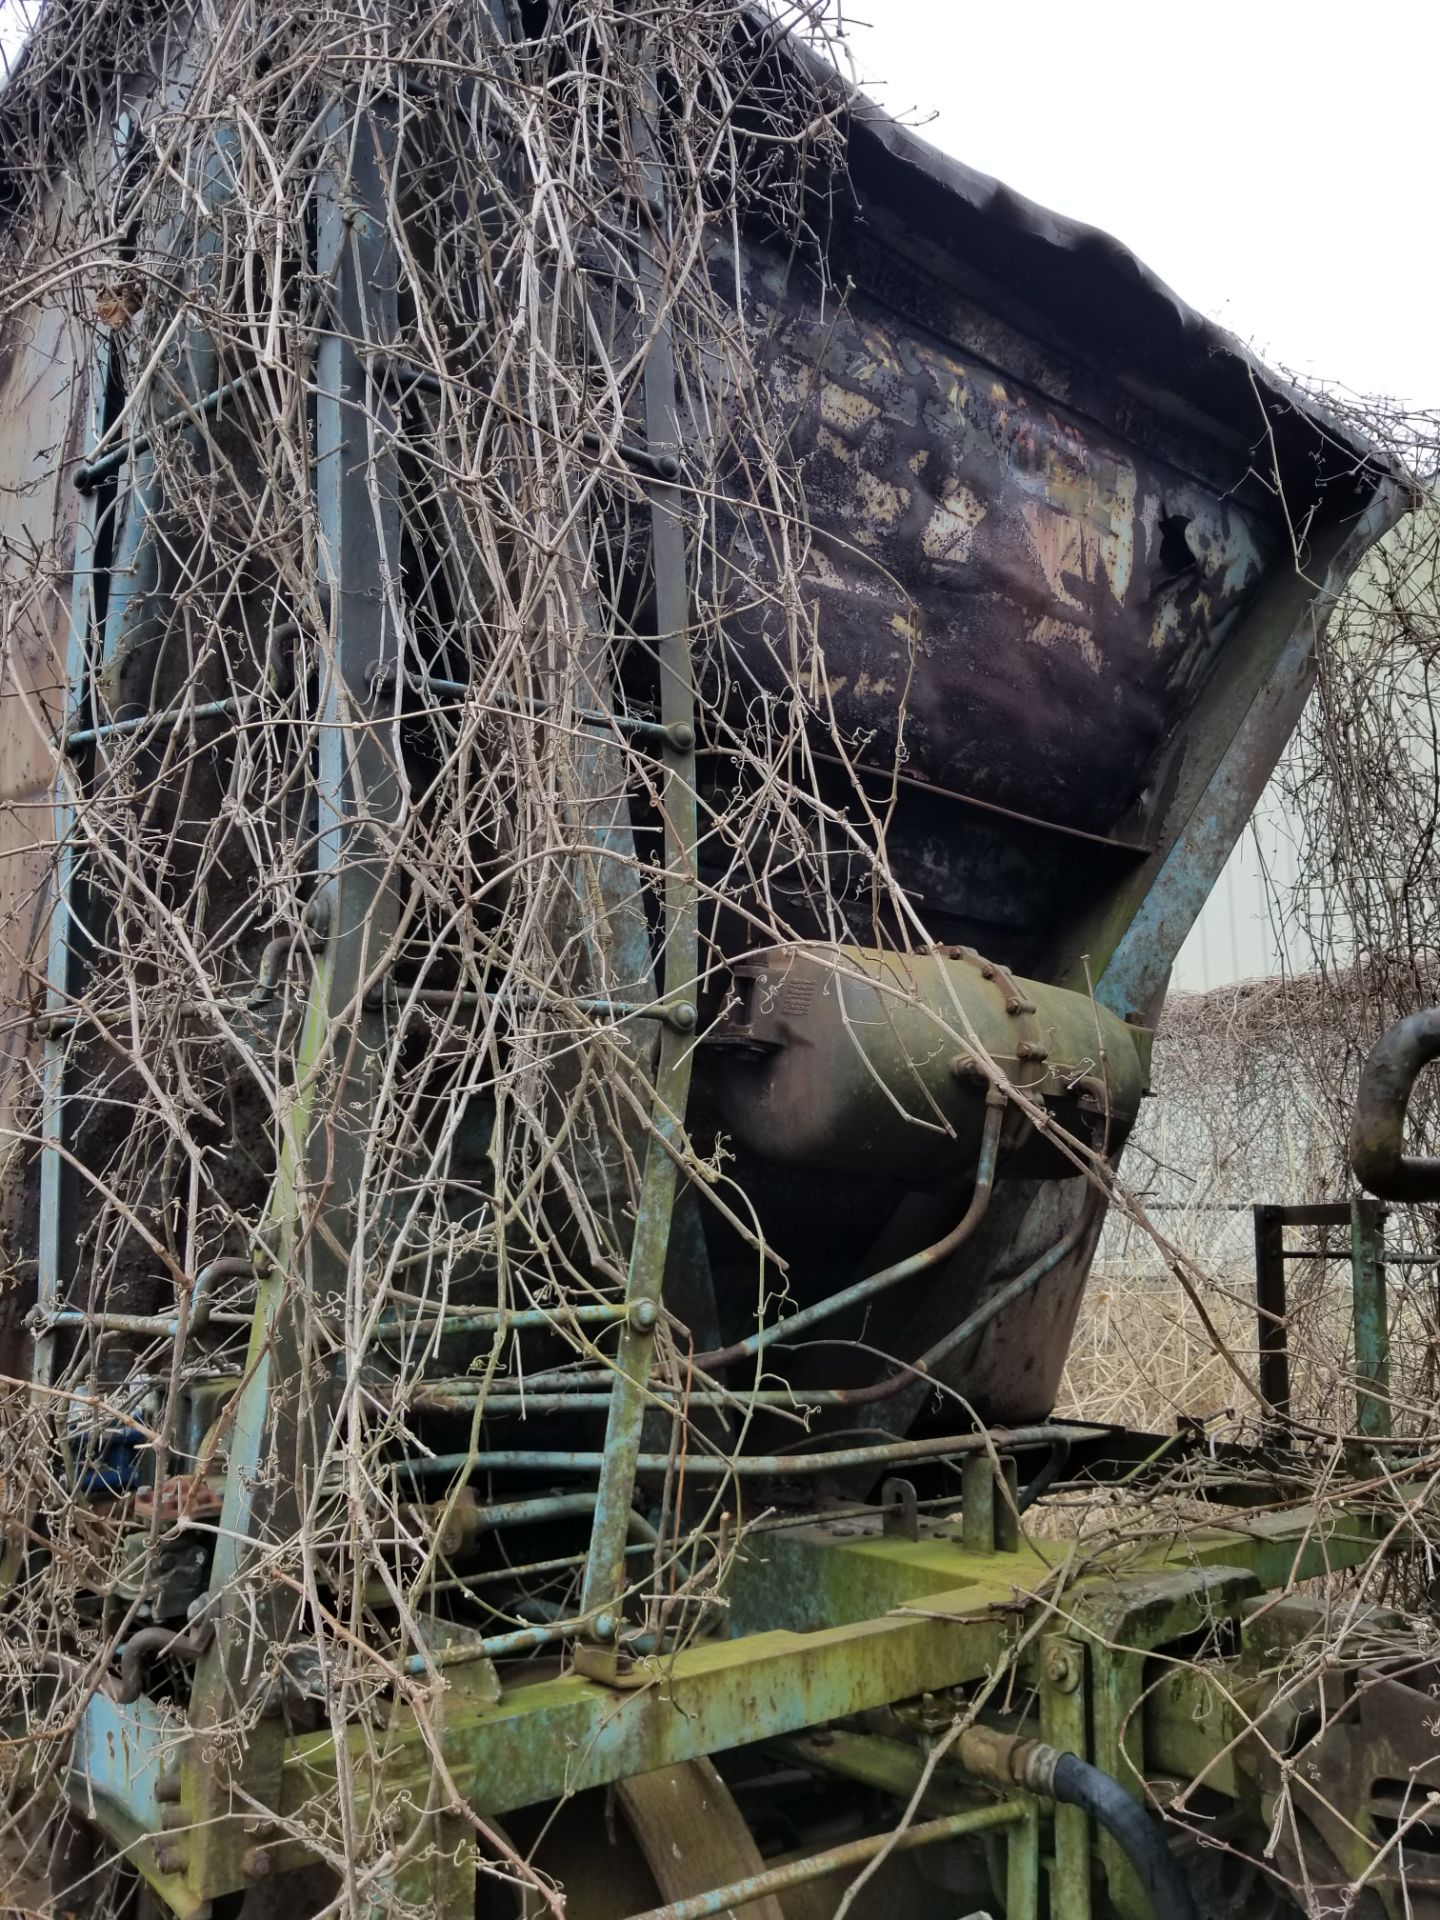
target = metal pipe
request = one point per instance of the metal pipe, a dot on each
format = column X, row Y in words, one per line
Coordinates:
column 201, row 1311
column 520, row 1513
column 161, row 722
column 980, row 1318
column 1377, row 1133
column 230, row 1265
column 557, row 1506
column 160, row 1323
column 439, row 1400
column 135, row 1657
column 488, row 1576
column 276, row 953
column 549, row 1506
column 891, row 1276
column 100, row 466
column 770, row 1465
column 854, row 1853
column 496, row 1320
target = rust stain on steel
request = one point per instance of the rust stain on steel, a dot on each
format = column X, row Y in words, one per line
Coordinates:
column 1013, row 598
column 39, row 391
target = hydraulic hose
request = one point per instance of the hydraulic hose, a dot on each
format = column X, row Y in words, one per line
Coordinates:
column 1008, row 1760
column 1134, row 1830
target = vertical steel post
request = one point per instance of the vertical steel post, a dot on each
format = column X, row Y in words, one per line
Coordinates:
column 1007, row 1505
column 605, row 1567
column 1270, row 1303
column 317, row 1207
column 1372, row 1319
column 56, row 1180
column 977, row 1503
column 1022, row 1866
column 1063, row 1725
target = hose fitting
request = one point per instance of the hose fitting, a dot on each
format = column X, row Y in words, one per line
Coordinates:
column 1007, row 1760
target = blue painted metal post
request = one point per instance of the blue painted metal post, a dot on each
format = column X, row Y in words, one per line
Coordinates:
column 55, row 1179
column 605, row 1569
column 276, row 1422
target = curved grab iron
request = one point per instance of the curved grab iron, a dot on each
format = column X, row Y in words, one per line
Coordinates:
column 1377, row 1132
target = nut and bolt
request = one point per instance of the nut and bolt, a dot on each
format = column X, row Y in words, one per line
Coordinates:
column 257, row 1864
column 682, row 1016
column 643, row 1316
column 169, row 1859
column 1062, row 1668
column 605, row 1626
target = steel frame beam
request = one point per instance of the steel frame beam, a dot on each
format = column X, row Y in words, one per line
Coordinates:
column 909, row 1618
column 271, row 1443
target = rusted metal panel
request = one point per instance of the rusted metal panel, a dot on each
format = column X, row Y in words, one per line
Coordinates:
column 39, row 424
column 1010, row 599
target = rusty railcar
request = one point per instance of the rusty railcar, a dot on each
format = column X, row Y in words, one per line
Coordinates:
column 596, row 820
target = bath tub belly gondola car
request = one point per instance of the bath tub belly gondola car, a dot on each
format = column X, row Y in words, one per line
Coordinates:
column 621, row 684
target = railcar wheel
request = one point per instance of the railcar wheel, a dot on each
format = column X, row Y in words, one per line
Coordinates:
column 618, row 1851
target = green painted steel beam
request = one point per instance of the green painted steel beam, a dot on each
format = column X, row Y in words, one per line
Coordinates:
column 563, row 1734
column 876, row 1621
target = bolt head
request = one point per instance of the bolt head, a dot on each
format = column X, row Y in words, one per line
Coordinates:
column 605, row 1626
column 257, row 1864
column 643, row 1315
column 1062, row 1669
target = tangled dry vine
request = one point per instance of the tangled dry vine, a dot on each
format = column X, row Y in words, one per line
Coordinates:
column 407, row 314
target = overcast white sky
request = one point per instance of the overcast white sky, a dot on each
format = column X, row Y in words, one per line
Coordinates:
column 1273, row 161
